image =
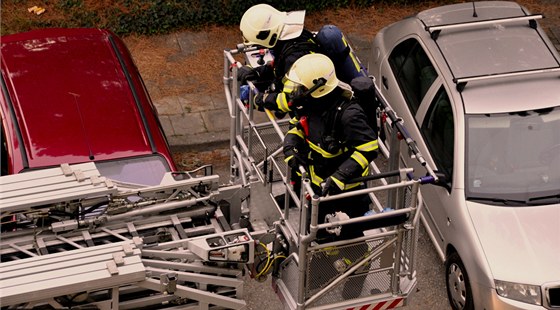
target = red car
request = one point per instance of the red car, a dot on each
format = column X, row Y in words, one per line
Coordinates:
column 73, row 96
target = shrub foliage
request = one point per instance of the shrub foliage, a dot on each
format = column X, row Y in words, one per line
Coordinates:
column 153, row 16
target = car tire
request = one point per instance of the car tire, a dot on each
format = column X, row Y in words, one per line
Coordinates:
column 459, row 291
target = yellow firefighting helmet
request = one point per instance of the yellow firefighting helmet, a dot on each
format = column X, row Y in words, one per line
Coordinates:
column 264, row 25
column 308, row 69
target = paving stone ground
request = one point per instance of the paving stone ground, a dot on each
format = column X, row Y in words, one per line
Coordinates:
column 199, row 120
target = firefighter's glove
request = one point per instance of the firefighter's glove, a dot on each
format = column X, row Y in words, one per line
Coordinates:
column 246, row 73
column 331, row 186
column 258, row 102
column 280, row 114
column 296, row 160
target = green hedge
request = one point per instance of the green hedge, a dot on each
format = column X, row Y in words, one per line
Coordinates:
column 163, row 16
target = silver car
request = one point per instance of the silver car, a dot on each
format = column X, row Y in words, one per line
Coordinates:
column 478, row 87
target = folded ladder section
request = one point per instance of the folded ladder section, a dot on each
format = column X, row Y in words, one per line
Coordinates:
column 23, row 191
column 41, row 278
column 150, row 247
column 125, row 275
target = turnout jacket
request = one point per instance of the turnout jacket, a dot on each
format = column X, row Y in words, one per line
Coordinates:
column 354, row 147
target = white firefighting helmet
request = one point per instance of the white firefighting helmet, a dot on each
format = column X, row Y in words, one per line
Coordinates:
column 264, row 25
column 308, row 69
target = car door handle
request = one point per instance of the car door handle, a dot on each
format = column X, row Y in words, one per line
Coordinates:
column 384, row 82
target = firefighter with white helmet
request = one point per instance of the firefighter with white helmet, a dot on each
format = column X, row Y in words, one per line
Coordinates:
column 284, row 34
column 264, row 25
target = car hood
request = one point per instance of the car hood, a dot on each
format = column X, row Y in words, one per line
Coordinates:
column 71, row 97
column 521, row 244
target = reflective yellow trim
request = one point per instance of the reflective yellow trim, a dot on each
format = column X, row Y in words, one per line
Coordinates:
column 323, row 153
column 331, row 251
column 352, row 185
column 339, row 183
column 287, row 159
column 368, row 147
column 315, row 179
column 296, row 131
column 294, row 120
column 344, row 41
column 360, row 159
column 282, row 102
column 355, row 61
column 352, row 56
column 366, row 171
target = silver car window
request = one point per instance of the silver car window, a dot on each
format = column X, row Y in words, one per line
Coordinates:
column 413, row 70
column 438, row 132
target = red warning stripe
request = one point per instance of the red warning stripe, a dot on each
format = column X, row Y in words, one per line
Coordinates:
column 399, row 302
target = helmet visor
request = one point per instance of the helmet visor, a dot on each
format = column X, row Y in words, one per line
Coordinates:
column 263, row 36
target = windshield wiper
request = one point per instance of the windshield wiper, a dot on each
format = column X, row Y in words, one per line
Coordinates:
column 504, row 201
column 554, row 198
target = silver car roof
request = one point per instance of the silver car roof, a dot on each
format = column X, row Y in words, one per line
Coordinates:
column 498, row 41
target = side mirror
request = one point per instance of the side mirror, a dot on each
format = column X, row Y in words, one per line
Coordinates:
column 442, row 181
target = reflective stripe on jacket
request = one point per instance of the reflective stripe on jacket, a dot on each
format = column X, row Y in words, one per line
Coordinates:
column 348, row 160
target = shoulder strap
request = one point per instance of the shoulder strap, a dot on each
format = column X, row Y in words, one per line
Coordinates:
column 335, row 117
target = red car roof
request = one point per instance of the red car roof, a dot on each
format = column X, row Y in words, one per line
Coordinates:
column 77, row 96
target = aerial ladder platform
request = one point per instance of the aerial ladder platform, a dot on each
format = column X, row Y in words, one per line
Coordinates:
column 74, row 239
column 379, row 269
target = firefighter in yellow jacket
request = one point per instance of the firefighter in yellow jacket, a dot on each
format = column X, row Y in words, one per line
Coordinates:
column 335, row 144
column 332, row 140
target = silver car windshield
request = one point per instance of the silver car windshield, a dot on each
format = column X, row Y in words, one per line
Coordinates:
column 514, row 158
